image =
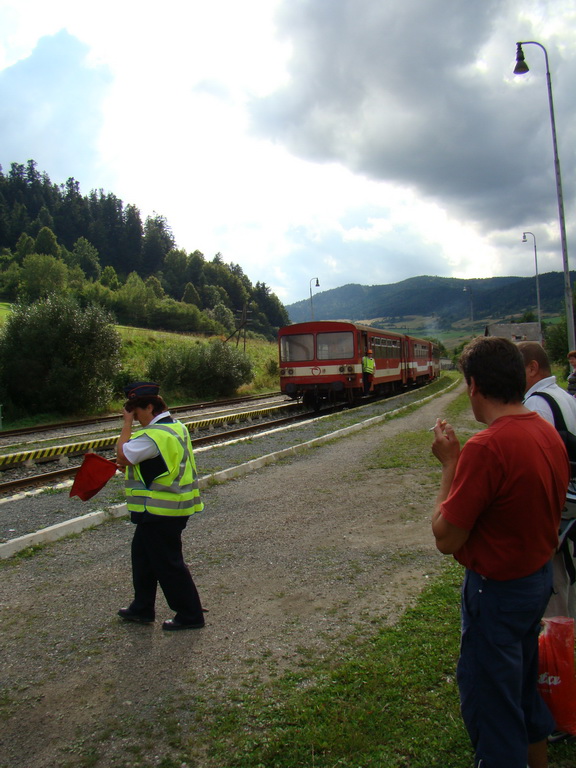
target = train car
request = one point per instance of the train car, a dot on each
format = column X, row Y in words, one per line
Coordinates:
column 322, row 361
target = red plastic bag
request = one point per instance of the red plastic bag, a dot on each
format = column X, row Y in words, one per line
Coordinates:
column 556, row 681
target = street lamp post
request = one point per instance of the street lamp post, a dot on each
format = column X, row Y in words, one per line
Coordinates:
column 520, row 69
column 317, row 285
column 524, row 240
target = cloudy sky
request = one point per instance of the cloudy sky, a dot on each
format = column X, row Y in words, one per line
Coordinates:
column 357, row 141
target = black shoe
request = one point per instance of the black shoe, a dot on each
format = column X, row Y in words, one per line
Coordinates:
column 128, row 615
column 173, row 625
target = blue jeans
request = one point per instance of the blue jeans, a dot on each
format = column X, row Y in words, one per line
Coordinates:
column 498, row 666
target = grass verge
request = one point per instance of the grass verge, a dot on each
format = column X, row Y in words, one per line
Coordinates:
column 389, row 701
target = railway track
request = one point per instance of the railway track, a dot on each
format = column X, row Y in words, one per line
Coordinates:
column 17, row 468
column 41, row 504
column 59, row 426
column 106, row 445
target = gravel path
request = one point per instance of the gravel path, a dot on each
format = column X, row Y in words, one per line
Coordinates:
column 287, row 559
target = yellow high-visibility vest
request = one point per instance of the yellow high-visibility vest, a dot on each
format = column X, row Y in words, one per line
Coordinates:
column 368, row 364
column 175, row 492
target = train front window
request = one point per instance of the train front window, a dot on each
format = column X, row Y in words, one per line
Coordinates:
column 297, row 347
column 335, row 346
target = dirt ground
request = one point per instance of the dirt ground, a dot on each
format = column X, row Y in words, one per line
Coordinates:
column 287, row 560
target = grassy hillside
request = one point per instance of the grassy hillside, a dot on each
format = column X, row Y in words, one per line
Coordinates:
column 138, row 344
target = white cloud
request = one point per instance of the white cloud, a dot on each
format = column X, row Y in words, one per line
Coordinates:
column 357, row 140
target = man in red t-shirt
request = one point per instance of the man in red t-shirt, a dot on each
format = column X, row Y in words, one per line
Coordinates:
column 498, row 511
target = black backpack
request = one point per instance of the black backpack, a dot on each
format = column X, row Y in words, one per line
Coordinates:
column 568, row 438
column 567, row 526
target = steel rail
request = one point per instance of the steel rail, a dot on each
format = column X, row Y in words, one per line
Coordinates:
column 116, row 417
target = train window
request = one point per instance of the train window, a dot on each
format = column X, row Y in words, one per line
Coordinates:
column 335, row 346
column 297, row 347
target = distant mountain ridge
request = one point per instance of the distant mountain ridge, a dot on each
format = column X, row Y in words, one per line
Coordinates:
column 447, row 299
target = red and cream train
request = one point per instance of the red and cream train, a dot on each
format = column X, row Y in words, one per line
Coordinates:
column 322, row 361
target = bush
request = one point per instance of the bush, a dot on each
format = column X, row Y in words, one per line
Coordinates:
column 199, row 370
column 57, row 357
column 557, row 342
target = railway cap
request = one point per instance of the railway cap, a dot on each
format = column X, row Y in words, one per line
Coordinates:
column 141, row 389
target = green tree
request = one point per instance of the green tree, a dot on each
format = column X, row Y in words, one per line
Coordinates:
column 174, row 271
column 86, row 256
column 19, row 221
column 109, row 278
column 98, row 294
column 10, row 281
column 133, row 301
column 42, row 275
column 44, row 219
column 24, row 246
column 557, row 341
column 191, row 295
column 528, row 317
column 195, row 269
column 155, row 286
column 214, row 294
column 47, row 243
column 224, row 316
column 269, row 304
column 131, row 241
column 158, row 241
column 58, row 358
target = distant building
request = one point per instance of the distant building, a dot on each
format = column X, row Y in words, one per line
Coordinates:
column 514, row 331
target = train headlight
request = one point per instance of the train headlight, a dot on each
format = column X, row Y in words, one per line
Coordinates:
column 282, row 372
column 350, row 369
column 290, row 371
column 341, row 369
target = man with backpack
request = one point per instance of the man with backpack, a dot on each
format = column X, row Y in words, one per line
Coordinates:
column 554, row 404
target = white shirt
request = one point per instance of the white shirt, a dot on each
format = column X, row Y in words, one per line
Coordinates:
column 566, row 402
column 140, row 448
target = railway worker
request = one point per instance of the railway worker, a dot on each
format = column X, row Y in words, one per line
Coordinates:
column 498, row 511
column 161, row 493
column 368, row 365
column 541, row 384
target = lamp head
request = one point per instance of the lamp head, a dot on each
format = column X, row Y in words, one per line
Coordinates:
column 317, row 283
column 521, row 67
column 524, row 240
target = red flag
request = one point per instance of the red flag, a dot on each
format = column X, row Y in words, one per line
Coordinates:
column 92, row 476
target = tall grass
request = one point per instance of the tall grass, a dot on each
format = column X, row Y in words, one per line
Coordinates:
column 140, row 345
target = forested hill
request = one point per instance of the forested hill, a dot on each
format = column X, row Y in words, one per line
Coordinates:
column 97, row 248
column 446, row 299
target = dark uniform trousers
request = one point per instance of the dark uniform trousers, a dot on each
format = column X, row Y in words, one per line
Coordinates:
column 157, row 559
